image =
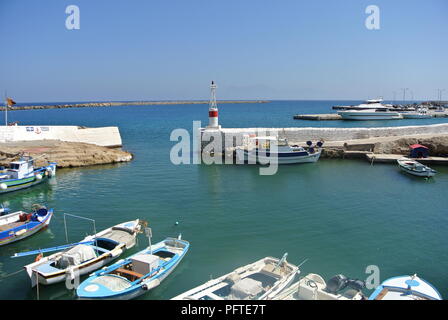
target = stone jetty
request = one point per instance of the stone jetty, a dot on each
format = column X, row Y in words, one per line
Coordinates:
column 66, row 154
column 119, row 104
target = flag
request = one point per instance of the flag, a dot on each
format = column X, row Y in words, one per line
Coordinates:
column 10, row 102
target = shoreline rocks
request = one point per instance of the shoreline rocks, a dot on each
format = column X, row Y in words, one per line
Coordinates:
column 65, row 154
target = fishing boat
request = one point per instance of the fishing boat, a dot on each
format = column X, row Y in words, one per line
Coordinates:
column 22, row 174
column 369, row 114
column 261, row 280
column 415, row 168
column 259, row 150
column 314, row 287
column 20, row 225
column 405, row 288
column 136, row 275
column 81, row 258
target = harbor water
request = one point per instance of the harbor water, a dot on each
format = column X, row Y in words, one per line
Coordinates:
column 341, row 215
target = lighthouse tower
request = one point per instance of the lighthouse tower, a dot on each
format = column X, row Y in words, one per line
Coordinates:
column 213, row 109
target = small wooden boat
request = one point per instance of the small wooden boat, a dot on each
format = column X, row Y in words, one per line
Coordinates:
column 89, row 255
column 415, row 168
column 314, row 287
column 136, row 275
column 22, row 174
column 20, row 225
column 261, row 280
column 405, row 288
column 263, row 153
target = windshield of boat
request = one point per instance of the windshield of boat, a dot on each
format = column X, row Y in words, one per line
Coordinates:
column 14, row 166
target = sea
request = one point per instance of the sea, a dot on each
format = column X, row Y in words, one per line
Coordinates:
column 337, row 216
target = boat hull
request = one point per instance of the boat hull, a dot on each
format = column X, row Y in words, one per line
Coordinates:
column 13, row 237
column 19, row 184
column 426, row 174
column 253, row 157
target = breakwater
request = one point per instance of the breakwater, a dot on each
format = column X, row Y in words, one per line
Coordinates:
column 118, row 104
column 234, row 137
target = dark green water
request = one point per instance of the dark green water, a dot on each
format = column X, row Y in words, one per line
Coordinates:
column 343, row 215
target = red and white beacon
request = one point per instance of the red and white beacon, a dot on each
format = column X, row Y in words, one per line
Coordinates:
column 213, row 109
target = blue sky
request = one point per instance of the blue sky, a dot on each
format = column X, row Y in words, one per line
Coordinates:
column 253, row 49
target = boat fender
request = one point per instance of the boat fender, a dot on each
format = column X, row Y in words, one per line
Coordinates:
column 115, row 253
column 38, row 257
column 23, row 217
column 150, row 284
column 3, row 186
column 38, row 176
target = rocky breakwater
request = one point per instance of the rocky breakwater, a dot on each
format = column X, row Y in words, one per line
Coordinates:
column 66, row 154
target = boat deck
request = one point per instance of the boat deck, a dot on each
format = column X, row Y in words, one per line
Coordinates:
column 392, row 158
column 120, row 236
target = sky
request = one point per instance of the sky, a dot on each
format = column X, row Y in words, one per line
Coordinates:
column 253, row 49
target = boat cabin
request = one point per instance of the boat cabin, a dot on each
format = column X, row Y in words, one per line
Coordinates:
column 418, row 151
column 20, row 169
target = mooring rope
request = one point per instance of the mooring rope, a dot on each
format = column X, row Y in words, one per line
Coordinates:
column 11, row 274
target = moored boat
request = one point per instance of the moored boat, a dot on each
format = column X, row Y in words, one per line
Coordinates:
column 137, row 274
column 90, row 254
column 261, row 280
column 20, row 225
column 420, row 113
column 415, row 168
column 22, row 174
column 369, row 114
column 405, row 288
column 263, row 153
column 314, row 287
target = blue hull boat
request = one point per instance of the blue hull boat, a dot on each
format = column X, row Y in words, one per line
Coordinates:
column 136, row 275
column 20, row 225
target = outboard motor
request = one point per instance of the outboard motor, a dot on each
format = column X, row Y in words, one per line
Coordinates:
column 356, row 284
column 320, row 144
column 309, row 143
column 336, row 283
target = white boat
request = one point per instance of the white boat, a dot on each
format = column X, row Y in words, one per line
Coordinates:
column 420, row 113
column 415, row 168
column 314, row 287
column 370, row 114
column 261, row 280
column 367, row 105
column 405, row 288
column 92, row 253
column 262, row 153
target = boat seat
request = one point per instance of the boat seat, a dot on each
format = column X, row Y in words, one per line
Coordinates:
column 125, row 272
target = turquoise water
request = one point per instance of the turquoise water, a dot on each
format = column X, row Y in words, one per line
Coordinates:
column 342, row 215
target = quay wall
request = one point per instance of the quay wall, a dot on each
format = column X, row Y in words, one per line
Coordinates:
column 233, row 137
column 104, row 136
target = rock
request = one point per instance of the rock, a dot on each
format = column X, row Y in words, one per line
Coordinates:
column 65, row 154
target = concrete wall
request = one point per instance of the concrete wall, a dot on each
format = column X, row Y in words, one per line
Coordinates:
column 105, row 136
column 234, row 136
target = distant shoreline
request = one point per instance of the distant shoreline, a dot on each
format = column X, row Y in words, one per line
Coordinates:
column 120, row 104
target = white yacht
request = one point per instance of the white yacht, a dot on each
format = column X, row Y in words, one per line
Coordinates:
column 370, row 114
column 367, row 105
